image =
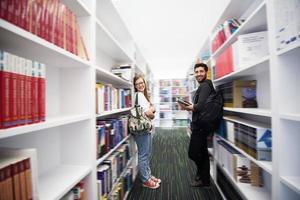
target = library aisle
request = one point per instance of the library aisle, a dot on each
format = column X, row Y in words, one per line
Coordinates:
column 171, row 164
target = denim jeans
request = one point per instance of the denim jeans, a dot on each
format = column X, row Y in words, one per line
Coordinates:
column 144, row 145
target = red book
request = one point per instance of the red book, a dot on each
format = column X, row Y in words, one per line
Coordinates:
column 3, row 9
column 10, row 13
column 5, row 119
column 18, row 63
column 34, row 92
column 28, row 91
column 23, row 14
column 17, row 13
column 22, row 83
column 13, row 90
column 41, row 92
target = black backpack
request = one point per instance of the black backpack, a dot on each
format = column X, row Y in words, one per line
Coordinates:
column 212, row 113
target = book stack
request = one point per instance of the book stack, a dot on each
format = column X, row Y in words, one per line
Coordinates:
column 238, row 166
column 239, row 94
column 123, row 71
column 76, row 193
column 22, row 91
column 110, row 98
column 223, row 32
column 111, row 171
column 109, row 133
column 248, row 48
column 50, row 20
column 15, row 177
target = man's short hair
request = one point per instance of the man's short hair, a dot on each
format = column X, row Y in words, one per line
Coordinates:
column 201, row 65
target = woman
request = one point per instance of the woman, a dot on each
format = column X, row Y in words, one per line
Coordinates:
column 144, row 141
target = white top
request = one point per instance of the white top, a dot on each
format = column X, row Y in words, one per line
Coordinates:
column 142, row 101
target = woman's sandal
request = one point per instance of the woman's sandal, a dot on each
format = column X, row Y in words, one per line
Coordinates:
column 151, row 184
column 157, row 180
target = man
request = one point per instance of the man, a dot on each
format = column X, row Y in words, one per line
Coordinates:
column 198, row 143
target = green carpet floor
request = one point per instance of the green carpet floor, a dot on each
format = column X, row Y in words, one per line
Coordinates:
column 170, row 162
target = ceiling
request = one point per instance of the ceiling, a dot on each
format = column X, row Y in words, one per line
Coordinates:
column 169, row 33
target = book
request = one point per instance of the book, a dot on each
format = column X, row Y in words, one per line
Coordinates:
column 184, row 102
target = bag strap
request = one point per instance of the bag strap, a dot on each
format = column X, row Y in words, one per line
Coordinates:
column 136, row 99
column 136, row 106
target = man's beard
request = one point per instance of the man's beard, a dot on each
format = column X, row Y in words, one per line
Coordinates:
column 203, row 79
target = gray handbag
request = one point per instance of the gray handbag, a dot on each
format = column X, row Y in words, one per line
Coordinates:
column 138, row 123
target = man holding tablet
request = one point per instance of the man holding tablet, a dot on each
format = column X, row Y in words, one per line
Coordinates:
column 198, row 143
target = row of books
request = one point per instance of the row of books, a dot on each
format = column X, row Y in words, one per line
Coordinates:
column 76, row 193
column 173, row 83
column 287, row 23
column 110, row 98
column 15, row 178
column 50, row 20
column 247, row 49
column 110, row 132
column 255, row 140
column 223, row 32
column 239, row 94
column 22, row 91
column 111, row 169
column 179, row 91
column 240, row 168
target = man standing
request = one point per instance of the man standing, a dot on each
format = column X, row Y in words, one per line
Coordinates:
column 198, row 143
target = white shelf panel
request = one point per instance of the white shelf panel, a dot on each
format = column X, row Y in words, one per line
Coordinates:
column 56, row 183
column 288, row 49
column 266, row 165
column 246, row 122
column 110, row 78
column 108, row 44
column 100, row 160
column 255, row 22
column 256, row 67
column 292, row 182
column 78, row 7
column 290, row 116
column 251, row 111
column 49, row 123
column 246, row 190
column 13, row 37
column 113, row 112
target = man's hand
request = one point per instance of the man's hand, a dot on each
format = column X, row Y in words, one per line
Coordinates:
column 188, row 108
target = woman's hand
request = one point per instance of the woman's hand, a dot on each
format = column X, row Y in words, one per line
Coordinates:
column 149, row 113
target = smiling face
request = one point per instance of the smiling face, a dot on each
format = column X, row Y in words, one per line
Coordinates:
column 200, row 74
column 139, row 85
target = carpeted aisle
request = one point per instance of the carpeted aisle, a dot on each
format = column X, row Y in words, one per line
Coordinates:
column 170, row 162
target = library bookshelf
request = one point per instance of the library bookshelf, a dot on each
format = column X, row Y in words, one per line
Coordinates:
column 277, row 107
column 65, row 142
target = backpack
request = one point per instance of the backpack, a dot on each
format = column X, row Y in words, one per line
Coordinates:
column 212, row 113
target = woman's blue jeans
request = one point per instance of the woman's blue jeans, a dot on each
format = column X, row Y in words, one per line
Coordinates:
column 144, row 145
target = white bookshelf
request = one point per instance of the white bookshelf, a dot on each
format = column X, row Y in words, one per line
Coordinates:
column 278, row 104
column 54, row 184
column 265, row 165
column 65, row 142
column 246, row 190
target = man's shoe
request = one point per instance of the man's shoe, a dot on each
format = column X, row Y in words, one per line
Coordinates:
column 199, row 183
